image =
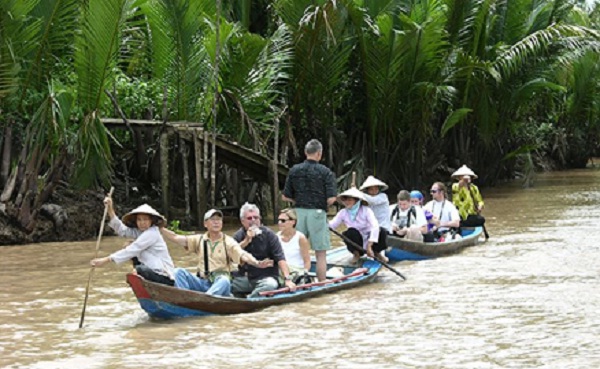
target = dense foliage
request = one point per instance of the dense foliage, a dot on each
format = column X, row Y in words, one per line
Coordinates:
column 404, row 89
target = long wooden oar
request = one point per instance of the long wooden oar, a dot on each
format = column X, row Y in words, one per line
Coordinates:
column 485, row 232
column 87, row 288
column 360, row 249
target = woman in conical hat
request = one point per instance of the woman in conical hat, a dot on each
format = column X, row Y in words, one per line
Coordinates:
column 378, row 201
column 148, row 249
column 462, row 172
column 362, row 226
column 467, row 198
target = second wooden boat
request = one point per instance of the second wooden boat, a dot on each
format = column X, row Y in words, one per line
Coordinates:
column 400, row 249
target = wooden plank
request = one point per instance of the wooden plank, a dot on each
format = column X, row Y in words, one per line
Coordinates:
column 117, row 122
column 356, row 273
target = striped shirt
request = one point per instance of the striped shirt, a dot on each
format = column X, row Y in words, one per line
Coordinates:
column 310, row 184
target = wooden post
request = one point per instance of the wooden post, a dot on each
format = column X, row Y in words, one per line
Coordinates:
column 200, row 185
column 126, row 172
column 164, row 171
column 275, row 189
column 183, row 149
column 205, row 168
column 213, row 163
column 213, row 170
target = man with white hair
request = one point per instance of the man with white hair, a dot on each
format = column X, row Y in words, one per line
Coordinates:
column 262, row 243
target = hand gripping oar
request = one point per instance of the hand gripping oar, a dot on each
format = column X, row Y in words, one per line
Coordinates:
column 87, row 288
column 360, row 249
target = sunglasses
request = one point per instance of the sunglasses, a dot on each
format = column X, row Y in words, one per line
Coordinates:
column 434, row 191
column 282, row 220
column 256, row 217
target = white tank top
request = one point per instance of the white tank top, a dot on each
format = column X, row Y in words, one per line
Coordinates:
column 291, row 249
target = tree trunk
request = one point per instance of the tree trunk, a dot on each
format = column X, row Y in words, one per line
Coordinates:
column 6, row 153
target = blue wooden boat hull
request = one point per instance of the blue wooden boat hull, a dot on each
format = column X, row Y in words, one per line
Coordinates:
column 166, row 302
column 400, row 249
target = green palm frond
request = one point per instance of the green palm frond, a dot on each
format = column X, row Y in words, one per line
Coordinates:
column 18, row 32
column 291, row 12
column 261, row 87
column 58, row 21
column 529, row 89
column 96, row 50
column 97, row 46
column 584, row 103
column 511, row 60
column 49, row 126
column 179, row 57
column 322, row 50
column 454, row 118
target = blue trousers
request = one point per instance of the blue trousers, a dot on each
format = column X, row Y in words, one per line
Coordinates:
column 186, row 280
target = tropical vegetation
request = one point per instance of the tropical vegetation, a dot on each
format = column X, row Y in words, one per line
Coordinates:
column 403, row 89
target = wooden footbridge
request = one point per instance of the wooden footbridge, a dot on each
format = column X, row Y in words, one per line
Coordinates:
column 258, row 166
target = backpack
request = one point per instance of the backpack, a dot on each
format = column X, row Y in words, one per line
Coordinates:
column 411, row 211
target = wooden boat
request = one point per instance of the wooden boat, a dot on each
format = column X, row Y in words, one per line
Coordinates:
column 166, row 302
column 400, row 249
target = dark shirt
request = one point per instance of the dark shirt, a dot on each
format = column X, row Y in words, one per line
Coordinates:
column 310, row 184
column 263, row 246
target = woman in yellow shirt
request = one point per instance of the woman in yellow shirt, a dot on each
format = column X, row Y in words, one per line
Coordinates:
column 467, row 198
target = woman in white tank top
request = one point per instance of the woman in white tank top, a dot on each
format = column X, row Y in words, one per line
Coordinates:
column 294, row 243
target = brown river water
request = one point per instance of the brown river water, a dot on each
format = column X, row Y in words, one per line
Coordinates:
column 528, row 298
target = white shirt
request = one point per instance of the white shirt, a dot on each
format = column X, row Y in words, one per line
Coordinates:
column 381, row 207
column 445, row 211
column 291, row 249
column 149, row 247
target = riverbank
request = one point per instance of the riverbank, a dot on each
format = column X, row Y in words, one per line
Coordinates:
column 68, row 216
column 73, row 215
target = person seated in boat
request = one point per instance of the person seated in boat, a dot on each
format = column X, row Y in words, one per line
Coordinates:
column 262, row 243
column 222, row 251
column 417, row 200
column 378, row 201
column 408, row 221
column 294, row 243
column 362, row 227
column 148, row 249
column 445, row 214
column 467, row 198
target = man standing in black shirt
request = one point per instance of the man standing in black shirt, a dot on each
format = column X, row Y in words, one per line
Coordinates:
column 311, row 187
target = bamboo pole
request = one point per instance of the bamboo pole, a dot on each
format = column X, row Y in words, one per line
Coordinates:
column 87, row 287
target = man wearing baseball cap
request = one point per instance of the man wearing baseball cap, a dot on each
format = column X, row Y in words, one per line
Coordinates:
column 216, row 252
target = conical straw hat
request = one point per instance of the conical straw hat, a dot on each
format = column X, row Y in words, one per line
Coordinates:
column 463, row 171
column 371, row 182
column 354, row 193
column 129, row 218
